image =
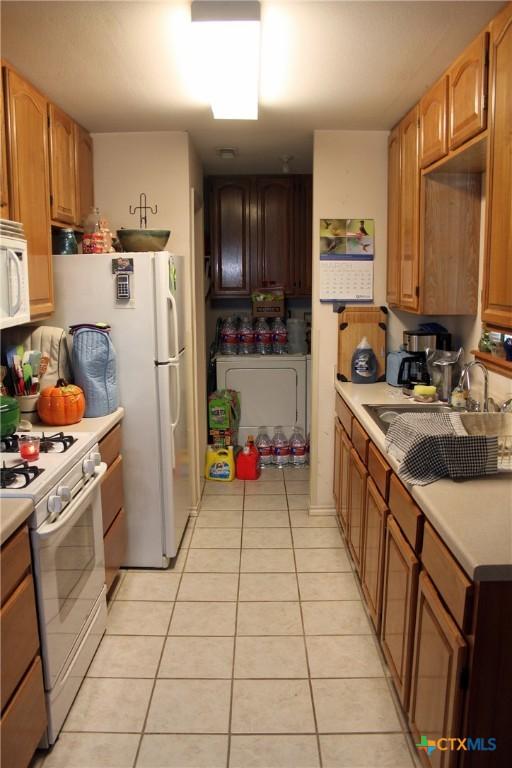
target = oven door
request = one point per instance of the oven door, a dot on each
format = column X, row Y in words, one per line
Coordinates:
column 69, row 573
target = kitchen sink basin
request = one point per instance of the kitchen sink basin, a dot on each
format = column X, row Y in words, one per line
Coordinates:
column 383, row 415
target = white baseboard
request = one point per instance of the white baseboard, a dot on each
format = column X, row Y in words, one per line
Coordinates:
column 322, row 510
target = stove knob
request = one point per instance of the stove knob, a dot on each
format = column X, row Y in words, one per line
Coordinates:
column 65, row 493
column 54, row 507
column 96, row 457
column 88, row 466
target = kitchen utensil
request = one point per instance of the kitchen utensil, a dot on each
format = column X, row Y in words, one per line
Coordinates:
column 143, row 239
column 9, row 415
column 27, row 378
column 444, row 368
column 354, row 323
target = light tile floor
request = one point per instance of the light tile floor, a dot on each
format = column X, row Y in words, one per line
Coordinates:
column 255, row 651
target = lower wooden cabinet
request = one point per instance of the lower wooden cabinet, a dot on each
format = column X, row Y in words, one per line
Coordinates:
column 438, row 661
column 373, row 541
column 399, row 608
column 115, row 547
column 356, row 506
column 338, row 430
column 114, row 518
column 24, row 721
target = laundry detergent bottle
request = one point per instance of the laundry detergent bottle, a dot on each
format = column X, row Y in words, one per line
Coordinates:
column 364, row 363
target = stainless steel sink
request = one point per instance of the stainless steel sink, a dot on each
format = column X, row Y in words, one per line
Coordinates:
column 379, row 412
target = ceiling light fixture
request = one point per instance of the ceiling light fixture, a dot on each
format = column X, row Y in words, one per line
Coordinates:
column 286, row 159
column 228, row 38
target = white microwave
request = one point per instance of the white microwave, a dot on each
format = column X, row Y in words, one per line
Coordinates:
column 14, row 295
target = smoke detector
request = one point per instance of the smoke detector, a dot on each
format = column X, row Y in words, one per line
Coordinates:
column 227, row 153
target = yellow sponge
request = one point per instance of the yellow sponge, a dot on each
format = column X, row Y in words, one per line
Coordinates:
column 424, row 390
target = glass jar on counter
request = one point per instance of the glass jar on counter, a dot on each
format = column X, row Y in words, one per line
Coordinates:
column 66, row 242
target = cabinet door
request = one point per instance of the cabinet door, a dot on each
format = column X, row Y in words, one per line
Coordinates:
column 302, row 235
column 62, row 166
column 393, row 263
column 467, row 92
column 433, row 123
column 409, row 211
column 374, row 536
column 398, row 608
column 274, row 207
column 346, row 447
column 497, row 287
column 230, row 236
column 30, row 185
column 356, row 506
column 84, row 175
column 337, row 464
column 4, row 180
column 436, row 694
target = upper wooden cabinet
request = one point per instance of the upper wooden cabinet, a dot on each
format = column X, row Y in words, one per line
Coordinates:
column 433, row 112
column 84, row 187
column 497, row 283
column 62, row 166
column 4, row 183
column 467, row 79
column 30, row 184
column 393, row 263
column 409, row 211
column 260, row 234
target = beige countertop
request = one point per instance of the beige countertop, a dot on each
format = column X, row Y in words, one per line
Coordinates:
column 473, row 517
column 13, row 512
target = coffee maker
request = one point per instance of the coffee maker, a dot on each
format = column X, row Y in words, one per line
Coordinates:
column 413, row 368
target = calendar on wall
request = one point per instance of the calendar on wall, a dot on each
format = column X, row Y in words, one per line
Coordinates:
column 346, row 259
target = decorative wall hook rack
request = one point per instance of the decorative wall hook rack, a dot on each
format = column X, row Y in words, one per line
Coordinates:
column 143, row 208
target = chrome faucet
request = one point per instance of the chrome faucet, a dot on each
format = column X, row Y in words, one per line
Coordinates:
column 464, row 383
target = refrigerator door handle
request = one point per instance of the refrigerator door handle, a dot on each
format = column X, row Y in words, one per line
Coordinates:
column 177, row 397
column 174, row 310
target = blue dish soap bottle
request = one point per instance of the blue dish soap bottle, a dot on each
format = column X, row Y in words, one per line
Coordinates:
column 364, row 363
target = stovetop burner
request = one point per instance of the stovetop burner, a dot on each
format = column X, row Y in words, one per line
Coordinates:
column 57, row 443
column 18, row 476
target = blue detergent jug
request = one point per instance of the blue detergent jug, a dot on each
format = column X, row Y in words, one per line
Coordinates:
column 364, row 363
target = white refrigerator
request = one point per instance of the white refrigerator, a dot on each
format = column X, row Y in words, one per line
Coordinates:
column 146, row 313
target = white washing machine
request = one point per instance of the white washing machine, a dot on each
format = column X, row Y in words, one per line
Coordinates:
column 272, row 390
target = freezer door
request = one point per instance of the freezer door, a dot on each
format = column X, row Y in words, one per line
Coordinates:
column 174, row 457
column 169, row 307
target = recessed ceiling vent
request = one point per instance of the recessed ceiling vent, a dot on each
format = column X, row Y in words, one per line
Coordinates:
column 227, row 153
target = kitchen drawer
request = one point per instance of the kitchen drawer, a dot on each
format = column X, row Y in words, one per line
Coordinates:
column 24, row 721
column 112, row 492
column 15, row 562
column 110, row 446
column 115, row 547
column 406, row 513
column 451, row 582
column 344, row 414
column 19, row 636
column 360, row 441
column 379, row 470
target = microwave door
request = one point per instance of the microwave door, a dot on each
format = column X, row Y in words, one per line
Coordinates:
column 14, row 294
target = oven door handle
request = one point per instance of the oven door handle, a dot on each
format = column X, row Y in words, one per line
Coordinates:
column 50, row 529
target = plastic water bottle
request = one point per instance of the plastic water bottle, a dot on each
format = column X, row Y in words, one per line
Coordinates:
column 264, row 445
column 246, row 337
column 279, row 337
column 229, row 337
column 364, row 363
column 298, row 447
column 263, row 338
column 280, row 448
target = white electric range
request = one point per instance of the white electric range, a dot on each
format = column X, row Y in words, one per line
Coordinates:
column 66, row 536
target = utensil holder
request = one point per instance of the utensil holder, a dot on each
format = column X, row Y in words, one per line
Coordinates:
column 28, row 407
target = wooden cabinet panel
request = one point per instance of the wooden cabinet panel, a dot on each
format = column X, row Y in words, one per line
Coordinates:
column 62, row 166
column 433, row 123
column 230, row 236
column 343, row 413
column 379, row 470
column 14, row 562
column 273, row 226
column 110, row 445
column 409, row 211
column 346, row 447
column 30, row 185
column 451, row 582
column 356, row 506
column 467, row 79
column 393, row 262
column 360, row 441
column 374, row 536
column 398, row 608
column 497, row 283
column 302, row 235
column 4, row 180
column 338, row 429
column 24, row 721
column 406, row 513
column 112, row 492
column 84, row 187
column 436, row 694
column 115, row 547
column 19, row 636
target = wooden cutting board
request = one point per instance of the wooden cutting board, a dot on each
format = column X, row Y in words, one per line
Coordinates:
column 353, row 324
